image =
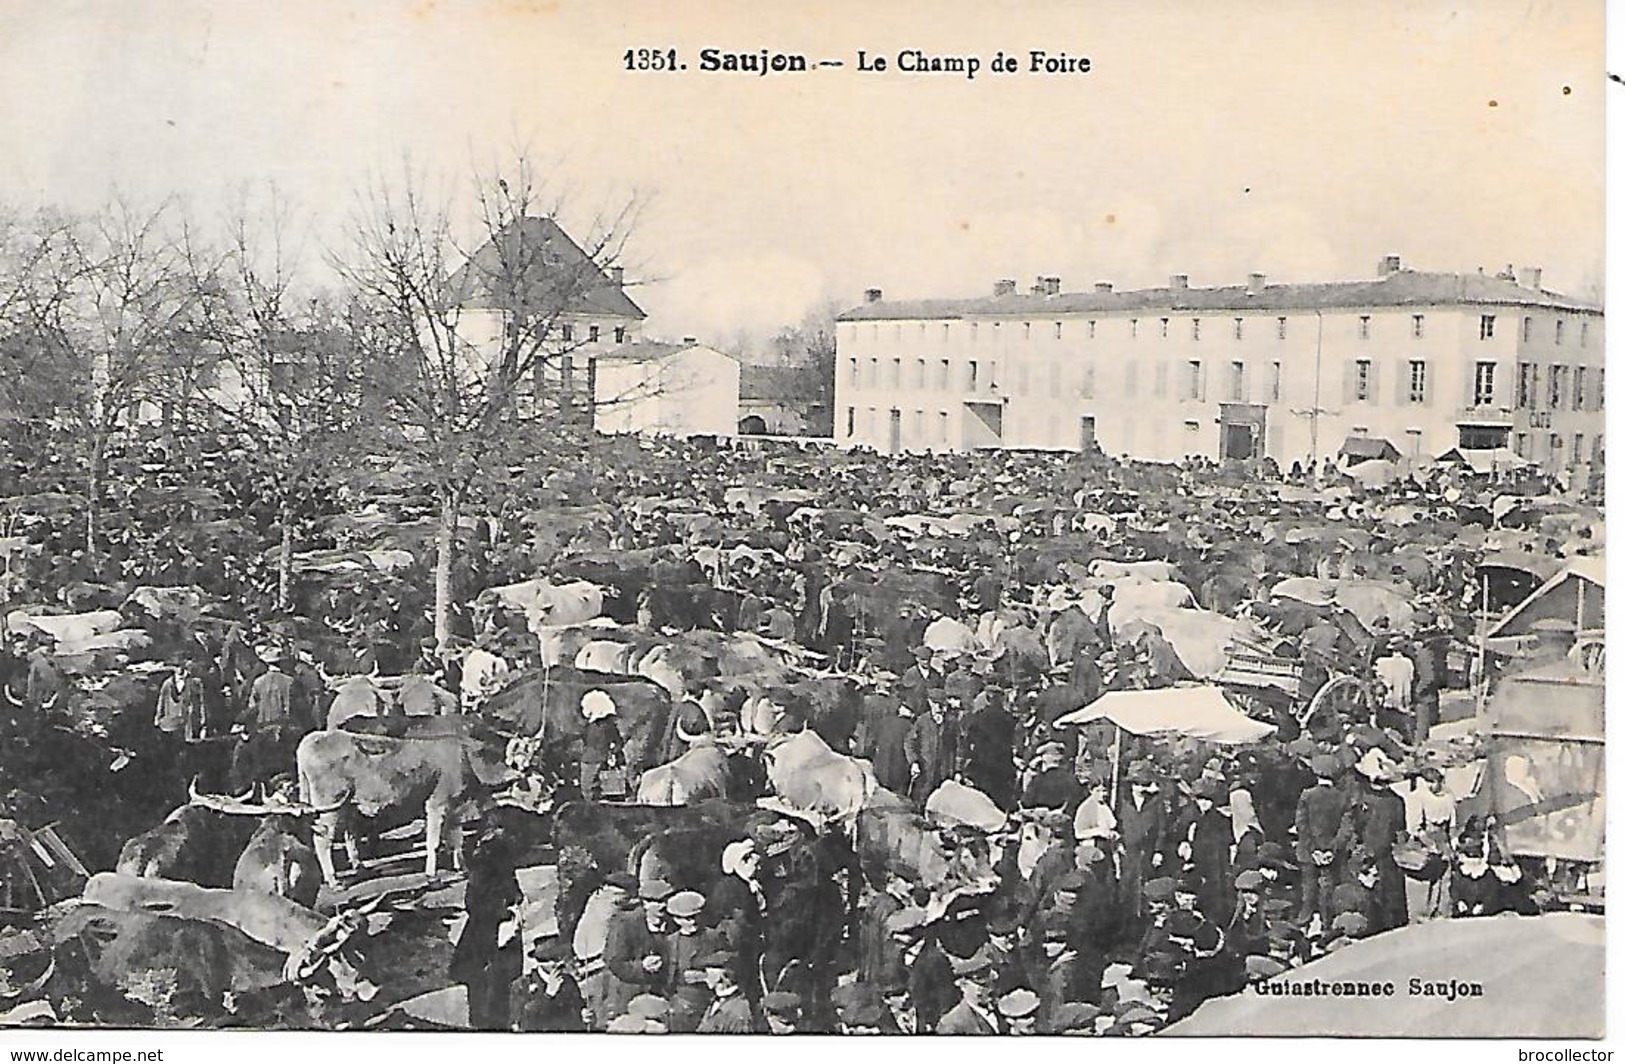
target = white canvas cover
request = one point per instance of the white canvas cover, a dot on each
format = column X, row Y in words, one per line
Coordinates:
column 1194, row 712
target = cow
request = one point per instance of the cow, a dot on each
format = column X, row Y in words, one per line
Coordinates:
column 699, row 773
column 547, row 704
column 343, row 775
column 560, row 644
column 67, row 628
column 283, row 925
column 546, row 603
column 193, row 843
column 209, row 960
column 357, row 696
column 277, row 861
column 893, row 838
column 1135, row 601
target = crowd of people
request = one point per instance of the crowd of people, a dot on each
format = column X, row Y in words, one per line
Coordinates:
column 1127, row 878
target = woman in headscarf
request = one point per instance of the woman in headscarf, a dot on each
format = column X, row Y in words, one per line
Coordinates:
column 1246, row 833
column 738, row 908
column 601, row 742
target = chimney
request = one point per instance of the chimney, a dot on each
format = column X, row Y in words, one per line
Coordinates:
column 1052, row 285
column 1389, row 264
column 1103, row 287
column 1038, row 287
column 1529, row 277
column 1508, row 274
column 1004, row 288
column 1255, row 283
column 1179, row 282
column 617, row 276
column 689, row 340
column 871, row 295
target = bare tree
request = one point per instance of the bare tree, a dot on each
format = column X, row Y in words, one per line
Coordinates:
column 110, row 301
column 290, row 380
column 464, row 337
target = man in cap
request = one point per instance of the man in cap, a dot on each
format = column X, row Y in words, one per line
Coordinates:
column 1206, row 832
column 1324, row 829
column 487, row 957
column 782, row 1011
column 729, row 1012
column 1061, row 979
column 685, row 944
column 1018, row 1008
column 974, row 1014
column 1248, row 932
column 929, row 977
column 652, row 1010
column 1208, row 968
column 635, row 950
column 549, row 998
column 990, row 740
column 1077, row 1017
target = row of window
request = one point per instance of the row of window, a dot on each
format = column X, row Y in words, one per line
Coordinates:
column 914, row 431
column 567, row 332
column 1567, row 388
column 1522, row 443
column 1486, row 328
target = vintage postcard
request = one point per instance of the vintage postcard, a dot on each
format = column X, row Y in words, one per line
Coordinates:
column 1064, row 519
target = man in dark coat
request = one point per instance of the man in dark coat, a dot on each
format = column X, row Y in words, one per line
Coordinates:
column 1325, row 830
column 1142, row 821
column 932, row 747
column 990, row 737
column 884, row 742
column 1206, row 829
column 635, row 949
column 549, row 1000
column 481, row 960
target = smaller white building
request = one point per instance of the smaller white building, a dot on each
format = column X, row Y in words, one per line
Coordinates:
column 683, row 389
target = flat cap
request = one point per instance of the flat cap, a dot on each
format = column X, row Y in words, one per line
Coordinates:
column 717, row 958
column 975, row 964
column 905, row 921
column 1324, row 765
column 1074, row 1016
column 648, row 1007
column 552, row 948
column 782, row 1003
column 1018, row 1003
column 1159, row 889
column 622, row 881
column 1250, row 880
column 1071, row 881
column 655, row 890
column 686, row 903
column 1349, row 924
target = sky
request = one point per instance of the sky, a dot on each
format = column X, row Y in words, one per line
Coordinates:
column 1296, row 138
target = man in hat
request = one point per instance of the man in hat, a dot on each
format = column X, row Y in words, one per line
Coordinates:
column 487, row 957
column 1018, row 1007
column 990, row 741
column 1208, row 968
column 1077, row 1017
column 730, row 1012
column 550, row 998
column 932, row 749
column 923, row 675
column 878, row 953
column 1325, row 830
column 1205, row 830
column 635, row 949
column 1054, row 785
column 652, row 1011
column 685, row 945
column 1061, row 979
column 1142, row 821
column 859, row 1010
column 975, row 1012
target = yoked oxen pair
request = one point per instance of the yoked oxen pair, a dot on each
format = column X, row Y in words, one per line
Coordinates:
column 213, row 841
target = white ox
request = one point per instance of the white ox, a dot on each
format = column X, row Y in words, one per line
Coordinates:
column 1133, row 602
column 1111, row 572
column 1201, row 638
column 68, row 628
column 700, row 773
column 546, row 603
column 810, row 776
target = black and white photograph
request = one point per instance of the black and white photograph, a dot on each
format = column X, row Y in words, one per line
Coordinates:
column 1054, row 519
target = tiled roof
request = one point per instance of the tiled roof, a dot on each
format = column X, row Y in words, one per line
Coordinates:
column 558, row 267
column 1404, row 288
column 650, row 350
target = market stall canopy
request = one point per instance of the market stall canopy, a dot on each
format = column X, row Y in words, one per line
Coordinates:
column 1360, row 449
column 1194, row 712
column 1564, row 1002
column 1575, row 595
column 1494, row 460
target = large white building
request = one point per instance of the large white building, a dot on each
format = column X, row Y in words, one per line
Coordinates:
column 1426, row 361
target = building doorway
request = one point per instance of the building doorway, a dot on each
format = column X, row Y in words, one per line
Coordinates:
column 1086, row 435
column 1241, row 431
